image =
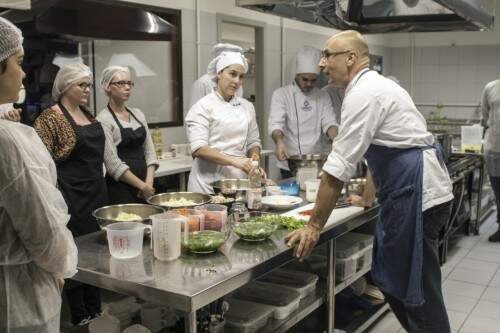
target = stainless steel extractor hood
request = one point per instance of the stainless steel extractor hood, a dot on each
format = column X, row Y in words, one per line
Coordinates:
column 379, row 16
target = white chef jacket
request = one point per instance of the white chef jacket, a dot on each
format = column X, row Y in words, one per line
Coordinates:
column 204, row 86
column 490, row 116
column 229, row 127
column 36, row 248
column 337, row 96
column 378, row 111
column 303, row 118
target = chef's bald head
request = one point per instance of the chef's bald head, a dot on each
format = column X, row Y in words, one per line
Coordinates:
column 349, row 40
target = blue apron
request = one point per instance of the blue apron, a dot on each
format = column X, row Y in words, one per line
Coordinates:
column 397, row 257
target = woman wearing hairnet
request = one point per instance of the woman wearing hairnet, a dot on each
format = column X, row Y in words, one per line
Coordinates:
column 131, row 136
column 36, row 249
column 221, row 127
column 78, row 145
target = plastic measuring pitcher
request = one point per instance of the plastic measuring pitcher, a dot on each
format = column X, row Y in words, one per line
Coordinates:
column 166, row 240
column 125, row 239
column 471, row 137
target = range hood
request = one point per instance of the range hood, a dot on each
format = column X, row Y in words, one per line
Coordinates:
column 379, row 16
column 90, row 18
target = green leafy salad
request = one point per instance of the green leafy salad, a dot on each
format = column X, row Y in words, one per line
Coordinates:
column 205, row 241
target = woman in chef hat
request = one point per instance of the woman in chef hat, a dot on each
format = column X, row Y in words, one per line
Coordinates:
column 222, row 128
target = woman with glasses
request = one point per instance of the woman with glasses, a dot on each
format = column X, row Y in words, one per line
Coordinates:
column 79, row 147
column 128, row 127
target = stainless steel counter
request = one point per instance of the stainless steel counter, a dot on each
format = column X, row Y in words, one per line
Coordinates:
column 193, row 281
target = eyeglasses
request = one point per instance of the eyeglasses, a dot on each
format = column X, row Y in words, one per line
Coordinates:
column 327, row 54
column 122, row 84
column 85, row 85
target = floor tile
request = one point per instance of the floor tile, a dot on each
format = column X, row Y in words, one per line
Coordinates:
column 479, row 265
column 484, row 256
column 471, row 276
column 459, row 303
column 387, row 324
column 491, row 294
column 456, row 319
column 476, row 324
column 495, row 282
column 488, row 247
column 463, row 288
column 487, row 309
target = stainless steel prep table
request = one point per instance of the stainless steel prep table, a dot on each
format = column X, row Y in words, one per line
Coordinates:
column 191, row 282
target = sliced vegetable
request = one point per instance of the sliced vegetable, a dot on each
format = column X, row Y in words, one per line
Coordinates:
column 205, row 241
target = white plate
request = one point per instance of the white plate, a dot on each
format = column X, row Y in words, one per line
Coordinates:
column 281, row 202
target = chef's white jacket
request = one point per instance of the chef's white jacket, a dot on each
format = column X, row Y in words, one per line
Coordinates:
column 378, row 111
column 228, row 127
column 303, row 118
column 36, row 247
column 490, row 115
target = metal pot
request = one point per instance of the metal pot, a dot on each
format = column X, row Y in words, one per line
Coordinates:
column 305, row 161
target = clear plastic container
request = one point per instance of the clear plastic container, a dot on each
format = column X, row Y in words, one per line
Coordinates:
column 471, row 137
column 283, row 300
column 365, row 258
column 351, row 243
column 345, row 268
column 246, row 317
column 303, row 282
column 215, row 216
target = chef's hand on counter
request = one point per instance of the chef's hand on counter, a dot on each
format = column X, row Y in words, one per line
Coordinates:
column 303, row 241
column 242, row 163
column 356, row 200
column 281, row 152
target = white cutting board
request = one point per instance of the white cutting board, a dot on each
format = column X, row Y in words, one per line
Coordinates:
column 337, row 215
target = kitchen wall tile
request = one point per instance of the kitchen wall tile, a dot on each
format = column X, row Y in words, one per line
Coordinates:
column 448, row 74
column 487, row 55
column 208, row 28
column 467, row 55
column 448, row 55
column 430, row 93
column 430, row 56
column 430, row 73
column 469, row 92
column 187, row 82
column 448, row 92
column 272, row 38
column 205, row 56
column 418, row 74
column 467, row 73
column 485, row 74
column 189, row 59
column 188, row 25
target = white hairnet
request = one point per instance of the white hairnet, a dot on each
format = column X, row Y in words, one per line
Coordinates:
column 109, row 72
column 223, row 60
column 307, row 61
column 68, row 75
column 11, row 39
column 225, row 47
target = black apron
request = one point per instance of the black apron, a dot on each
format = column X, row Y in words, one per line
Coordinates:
column 131, row 152
column 80, row 176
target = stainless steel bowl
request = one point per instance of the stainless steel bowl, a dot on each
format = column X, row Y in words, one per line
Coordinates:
column 230, row 186
column 109, row 214
column 309, row 160
column 163, row 199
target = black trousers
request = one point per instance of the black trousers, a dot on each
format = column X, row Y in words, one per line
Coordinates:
column 495, row 185
column 431, row 317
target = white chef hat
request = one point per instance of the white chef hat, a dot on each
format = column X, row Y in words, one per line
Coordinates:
column 68, row 75
column 222, row 47
column 307, row 60
column 11, row 39
column 109, row 72
column 223, row 60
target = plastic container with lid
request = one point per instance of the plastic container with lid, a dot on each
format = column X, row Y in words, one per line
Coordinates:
column 350, row 243
column 365, row 258
column 246, row 317
column 283, row 300
column 303, row 282
column 345, row 268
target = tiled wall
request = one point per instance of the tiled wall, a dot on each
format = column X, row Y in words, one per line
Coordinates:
column 453, row 76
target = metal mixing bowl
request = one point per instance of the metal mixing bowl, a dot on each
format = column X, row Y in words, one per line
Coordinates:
column 109, row 214
column 163, row 199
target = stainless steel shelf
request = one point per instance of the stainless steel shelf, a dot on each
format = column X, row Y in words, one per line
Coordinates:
column 347, row 282
column 306, row 306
